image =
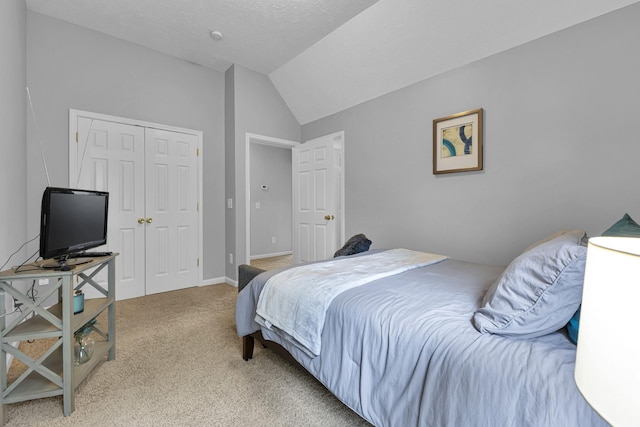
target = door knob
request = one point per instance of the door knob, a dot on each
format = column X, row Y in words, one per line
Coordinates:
column 149, row 220
column 140, row 220
column 329, row 217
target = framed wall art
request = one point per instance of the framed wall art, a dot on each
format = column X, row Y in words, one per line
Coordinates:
column 457, row 142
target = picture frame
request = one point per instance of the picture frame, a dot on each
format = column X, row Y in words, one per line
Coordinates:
column 457, row 142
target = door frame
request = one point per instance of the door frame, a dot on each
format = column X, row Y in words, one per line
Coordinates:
column 73, row 156
column 252, row 138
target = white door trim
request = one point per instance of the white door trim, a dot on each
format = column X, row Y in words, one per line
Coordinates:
column 252, row 138
column 342, row 190
column 73, row 156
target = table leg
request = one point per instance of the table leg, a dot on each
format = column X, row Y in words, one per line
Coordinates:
column 68, row 396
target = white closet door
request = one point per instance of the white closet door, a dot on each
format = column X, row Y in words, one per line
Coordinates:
column 110, row 157
column 171, row 210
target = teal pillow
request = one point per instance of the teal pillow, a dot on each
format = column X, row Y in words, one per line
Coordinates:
column 573, row 326
column 626, row 227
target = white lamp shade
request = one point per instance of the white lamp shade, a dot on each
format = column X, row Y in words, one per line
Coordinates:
column 608, row 358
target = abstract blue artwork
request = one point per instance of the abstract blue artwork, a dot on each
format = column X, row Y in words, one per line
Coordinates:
column 457, row 142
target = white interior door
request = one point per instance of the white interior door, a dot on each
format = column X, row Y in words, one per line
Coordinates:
column 110, row 157
column 318, row 214
column 171, row 210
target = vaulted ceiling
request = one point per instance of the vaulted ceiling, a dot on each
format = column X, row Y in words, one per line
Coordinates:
column 324, row 56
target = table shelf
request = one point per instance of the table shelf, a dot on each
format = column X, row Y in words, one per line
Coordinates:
column 35, row 386
column 38, row 327
column 56, row 374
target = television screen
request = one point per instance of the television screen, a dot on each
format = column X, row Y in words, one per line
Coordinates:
column 72, row 221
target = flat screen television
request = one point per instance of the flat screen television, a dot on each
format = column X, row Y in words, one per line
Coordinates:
column 72, row 221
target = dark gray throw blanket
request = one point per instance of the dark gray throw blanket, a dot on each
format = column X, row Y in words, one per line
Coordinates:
column 356, row 244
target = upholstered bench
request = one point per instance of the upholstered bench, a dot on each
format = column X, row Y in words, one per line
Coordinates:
column 245, row 274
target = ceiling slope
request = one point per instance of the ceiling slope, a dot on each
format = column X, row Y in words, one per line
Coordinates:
column 396, row 43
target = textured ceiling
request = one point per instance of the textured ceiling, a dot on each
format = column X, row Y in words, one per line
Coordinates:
column 258, row 34
column 324, row 56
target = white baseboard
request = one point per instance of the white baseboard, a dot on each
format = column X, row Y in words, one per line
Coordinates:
column 213, row 281
column 219, row 280
column 271, row 255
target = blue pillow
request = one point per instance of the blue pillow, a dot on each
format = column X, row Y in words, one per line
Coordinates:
column 538, row 292
column 625, row 227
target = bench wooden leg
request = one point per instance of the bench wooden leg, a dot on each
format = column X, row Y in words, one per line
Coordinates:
column 247, row 347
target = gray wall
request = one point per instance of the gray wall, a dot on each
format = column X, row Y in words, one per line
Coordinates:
column 561, row 147
column 270, row 166
column 72, row 67
column 13, row 120
column 256, row 108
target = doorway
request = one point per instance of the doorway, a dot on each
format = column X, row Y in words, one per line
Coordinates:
column 262, row 144
column 331, row 145
column 271, row 202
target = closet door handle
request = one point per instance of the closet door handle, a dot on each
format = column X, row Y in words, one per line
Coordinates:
column 149, row 220
column 140, row 220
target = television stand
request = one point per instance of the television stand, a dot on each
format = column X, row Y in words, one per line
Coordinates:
column 55, row 373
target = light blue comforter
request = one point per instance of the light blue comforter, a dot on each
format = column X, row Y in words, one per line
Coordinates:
column 296, row 300
column 402, row 351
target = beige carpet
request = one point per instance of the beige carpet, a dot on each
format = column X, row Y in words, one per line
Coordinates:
column 178, row 363
column 272, row 262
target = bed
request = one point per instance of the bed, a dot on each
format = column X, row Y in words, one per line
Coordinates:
column 451, row 343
